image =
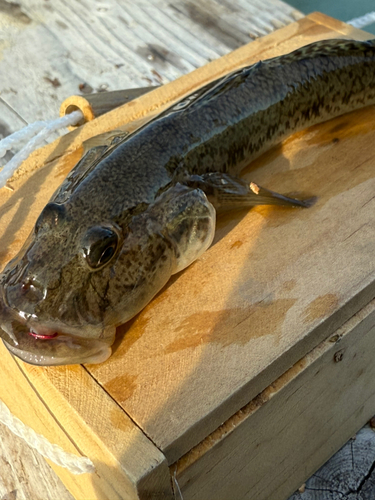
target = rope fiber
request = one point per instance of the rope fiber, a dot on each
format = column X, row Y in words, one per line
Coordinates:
column 361, row 22
column 74, row 463
column 42, row 131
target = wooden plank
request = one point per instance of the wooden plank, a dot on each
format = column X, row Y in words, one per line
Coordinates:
column 270, row 446
column 9, row 122
column 25, row 474
column 350, row 471
column 127, row 464
column 55, row 47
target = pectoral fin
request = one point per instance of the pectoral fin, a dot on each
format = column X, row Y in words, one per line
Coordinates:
column 227, row 192
column 188, row 221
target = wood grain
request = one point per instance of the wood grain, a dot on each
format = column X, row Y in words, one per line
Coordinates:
column 349, row 473
column 18, row 465
column 54, row 48
column 127, row 464
column 265, row 293
column 292, row 427
column 180, row 372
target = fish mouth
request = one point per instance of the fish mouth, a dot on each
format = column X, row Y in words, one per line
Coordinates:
column 37, row 335
column 65, row 350
column 44, row 346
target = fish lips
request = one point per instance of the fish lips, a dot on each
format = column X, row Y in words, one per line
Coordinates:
column 42, row 346
column 61, row 350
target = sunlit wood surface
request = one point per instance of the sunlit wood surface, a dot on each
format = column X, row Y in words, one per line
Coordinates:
column 261, row 314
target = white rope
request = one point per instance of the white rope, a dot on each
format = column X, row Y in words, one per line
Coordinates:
column 74, row 463
column 361, row 22
column 36, row 133
column 43, row 130
column 16, row 138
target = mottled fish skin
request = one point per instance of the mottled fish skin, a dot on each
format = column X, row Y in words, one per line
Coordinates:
column 141, row 194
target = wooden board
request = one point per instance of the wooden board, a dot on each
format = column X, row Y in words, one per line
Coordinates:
column 20, row 466
column 349, row 472
column 179, row 373
column 53, row 403
column 292, row 427
column 61, row 47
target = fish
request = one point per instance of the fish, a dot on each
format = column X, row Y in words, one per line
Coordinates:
column 130, row 215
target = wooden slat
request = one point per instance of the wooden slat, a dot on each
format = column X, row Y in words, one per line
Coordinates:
column 54, row 47
column 269, row 448
column 9, row 122
column 127, row 464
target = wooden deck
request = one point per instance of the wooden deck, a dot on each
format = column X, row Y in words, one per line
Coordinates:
column 59, row 48
column 53, row 49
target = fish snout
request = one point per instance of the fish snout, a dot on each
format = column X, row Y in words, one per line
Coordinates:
column 24, row 295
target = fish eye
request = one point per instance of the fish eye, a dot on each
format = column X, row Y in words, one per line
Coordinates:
column 99, row 246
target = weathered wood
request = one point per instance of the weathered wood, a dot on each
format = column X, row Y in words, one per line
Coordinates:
column 349, row 474
column 292, row 427
column 127, row 464
column 54, row 49
column 19, row 465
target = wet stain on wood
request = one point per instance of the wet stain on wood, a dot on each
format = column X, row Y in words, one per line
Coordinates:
column 231, row 326
column 236, row 244
column 116, row 417
column 122, row 387
column 347, row 126
column 339, row 126
column 321, row 307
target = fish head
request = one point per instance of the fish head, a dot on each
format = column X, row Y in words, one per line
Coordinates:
column 78, row 278
column 47, row 314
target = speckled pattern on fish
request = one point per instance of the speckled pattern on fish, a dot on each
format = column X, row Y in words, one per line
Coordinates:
column 130, row 215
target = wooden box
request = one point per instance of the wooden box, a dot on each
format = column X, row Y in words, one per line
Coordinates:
column 252, row 367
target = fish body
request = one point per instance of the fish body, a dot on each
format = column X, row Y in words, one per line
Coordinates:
column 129, row 216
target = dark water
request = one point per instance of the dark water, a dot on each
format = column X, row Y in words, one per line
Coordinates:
column 340, row 9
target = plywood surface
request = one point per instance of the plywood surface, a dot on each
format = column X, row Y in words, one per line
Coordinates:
column 273, row 285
